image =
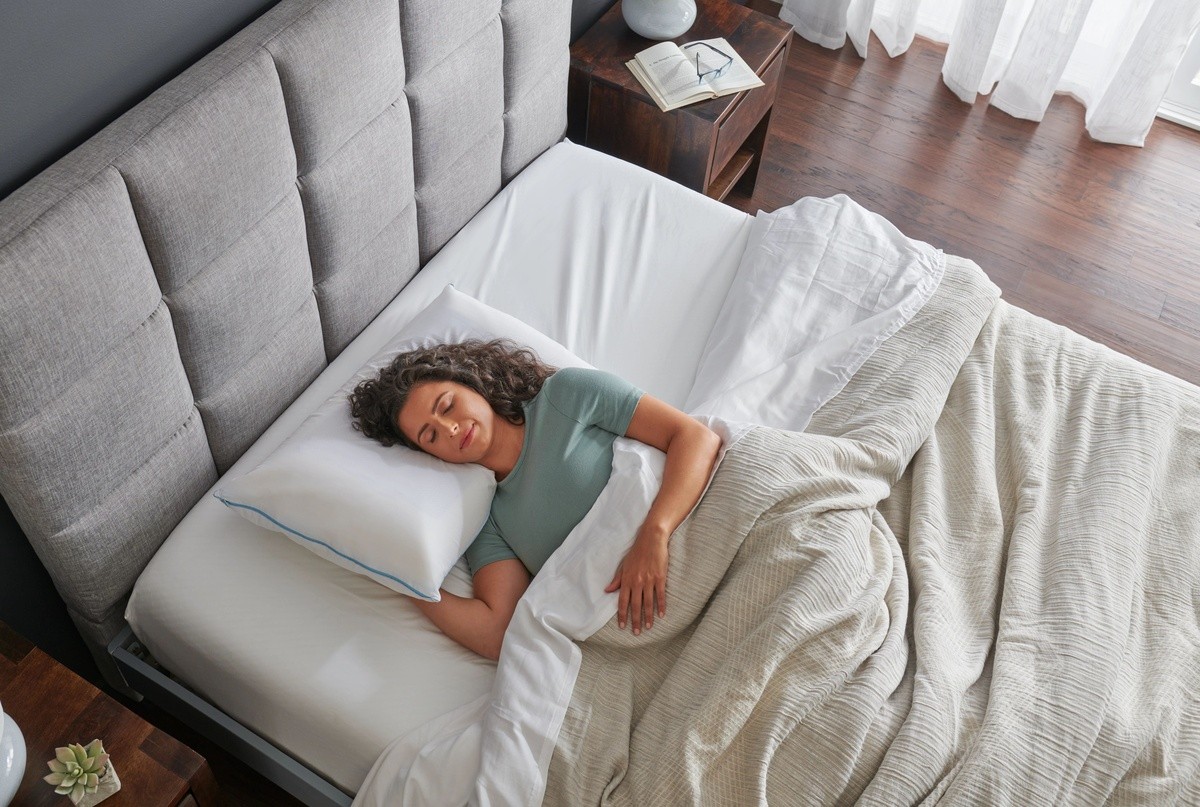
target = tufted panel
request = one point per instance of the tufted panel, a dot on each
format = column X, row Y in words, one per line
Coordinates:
column 170, row 286
column 86, row 249
column 209, row 172
column 362, row 224
column 454, row 55
column 95, row 408
column 340, row 66
column 342, row 73
column 214, row 191
column 535, row 80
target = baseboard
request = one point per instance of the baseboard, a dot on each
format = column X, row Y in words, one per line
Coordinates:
column 1177, row 113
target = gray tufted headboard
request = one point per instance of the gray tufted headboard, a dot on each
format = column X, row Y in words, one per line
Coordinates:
column 170, row 286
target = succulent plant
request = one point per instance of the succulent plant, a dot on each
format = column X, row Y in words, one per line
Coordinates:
column 76, row 770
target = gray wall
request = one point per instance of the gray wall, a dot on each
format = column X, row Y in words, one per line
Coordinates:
column 68, row 67
column 586, row 12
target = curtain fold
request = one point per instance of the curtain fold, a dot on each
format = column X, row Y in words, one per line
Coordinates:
column 1037, row 64
column 1115, row 56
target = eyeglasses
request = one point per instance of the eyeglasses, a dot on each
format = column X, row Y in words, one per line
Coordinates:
column 708, row 74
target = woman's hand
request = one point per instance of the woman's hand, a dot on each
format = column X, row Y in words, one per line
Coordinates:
column 642, row 579
column 691, row 449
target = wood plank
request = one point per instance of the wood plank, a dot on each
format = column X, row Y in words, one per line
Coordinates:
column 1182, row 314
column 732, row 172
column 13, row 648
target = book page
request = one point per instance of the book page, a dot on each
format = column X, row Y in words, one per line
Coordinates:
column 672, row 73
column 647, row 84
column 737, row 77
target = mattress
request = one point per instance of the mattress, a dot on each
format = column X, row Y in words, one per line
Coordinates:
column 623, row 267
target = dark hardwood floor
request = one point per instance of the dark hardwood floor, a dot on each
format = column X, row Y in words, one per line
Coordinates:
column 1101, row 238
column 1104, row 239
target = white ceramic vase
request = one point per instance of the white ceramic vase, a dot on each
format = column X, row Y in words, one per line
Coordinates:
column 659, row 19
column 12, row 758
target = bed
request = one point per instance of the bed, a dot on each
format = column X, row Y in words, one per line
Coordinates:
column 334, row 706
column 181, row 292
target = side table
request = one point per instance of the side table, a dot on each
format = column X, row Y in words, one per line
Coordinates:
column 53, row 706
column 712, row 146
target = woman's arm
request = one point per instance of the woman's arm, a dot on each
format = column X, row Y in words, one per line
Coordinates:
column 691, row 449
column 479, row 623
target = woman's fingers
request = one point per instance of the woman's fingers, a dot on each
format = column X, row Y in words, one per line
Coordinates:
column 638, row 600
column 642, row 604
column 622, row 606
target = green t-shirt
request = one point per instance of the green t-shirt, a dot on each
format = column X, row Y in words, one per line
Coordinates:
column 565, row 461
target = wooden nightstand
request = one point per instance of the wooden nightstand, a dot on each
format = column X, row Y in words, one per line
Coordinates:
column 53, row 706
column 710, row 146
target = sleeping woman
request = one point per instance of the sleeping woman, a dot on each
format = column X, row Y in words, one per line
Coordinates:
column 547, row 435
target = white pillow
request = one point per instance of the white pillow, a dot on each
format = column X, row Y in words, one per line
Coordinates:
column 398, row 516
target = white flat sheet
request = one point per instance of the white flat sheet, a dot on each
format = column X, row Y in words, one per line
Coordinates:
column 623, row 267
column 822, row 284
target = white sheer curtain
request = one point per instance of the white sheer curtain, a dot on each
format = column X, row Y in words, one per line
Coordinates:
column 1116, row 56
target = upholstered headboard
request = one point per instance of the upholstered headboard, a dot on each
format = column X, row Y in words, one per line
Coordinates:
column 169, row 287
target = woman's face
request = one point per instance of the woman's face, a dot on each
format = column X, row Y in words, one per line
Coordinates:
column 452, row 422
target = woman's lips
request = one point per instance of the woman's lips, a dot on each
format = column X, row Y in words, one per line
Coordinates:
column 467, row 438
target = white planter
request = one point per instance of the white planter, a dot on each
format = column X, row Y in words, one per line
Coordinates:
column 12, row 759
column 659, row 19
column 109, row 783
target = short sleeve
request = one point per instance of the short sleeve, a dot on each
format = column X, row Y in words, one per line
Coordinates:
column 488, row 547
column 594, row 398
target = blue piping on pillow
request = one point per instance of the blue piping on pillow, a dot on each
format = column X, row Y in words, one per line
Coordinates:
column 335, row 551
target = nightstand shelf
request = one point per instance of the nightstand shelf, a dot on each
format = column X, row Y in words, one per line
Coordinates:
column 734, row 170
column 712, row 146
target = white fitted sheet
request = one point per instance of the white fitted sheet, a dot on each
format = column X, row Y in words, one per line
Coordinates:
column 626, row 269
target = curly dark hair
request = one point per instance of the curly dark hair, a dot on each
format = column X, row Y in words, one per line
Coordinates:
column 504, row 373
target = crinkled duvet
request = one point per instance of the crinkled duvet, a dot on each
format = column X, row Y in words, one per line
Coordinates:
column 973, row 579
column 976, row 580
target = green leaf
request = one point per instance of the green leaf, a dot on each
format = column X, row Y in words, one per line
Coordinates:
column 57, row 766
column 64, row 754
column 55, row 779
column 80, row 754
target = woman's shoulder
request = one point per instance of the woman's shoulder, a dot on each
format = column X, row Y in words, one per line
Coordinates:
column 572, row 380
column 571, row 375
column 577, row 391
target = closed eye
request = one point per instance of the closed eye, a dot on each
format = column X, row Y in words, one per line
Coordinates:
column 433, row 432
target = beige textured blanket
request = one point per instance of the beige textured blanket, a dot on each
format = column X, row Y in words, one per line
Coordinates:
column 980, row 586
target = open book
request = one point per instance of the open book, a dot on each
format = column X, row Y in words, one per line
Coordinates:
column 678, row 75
